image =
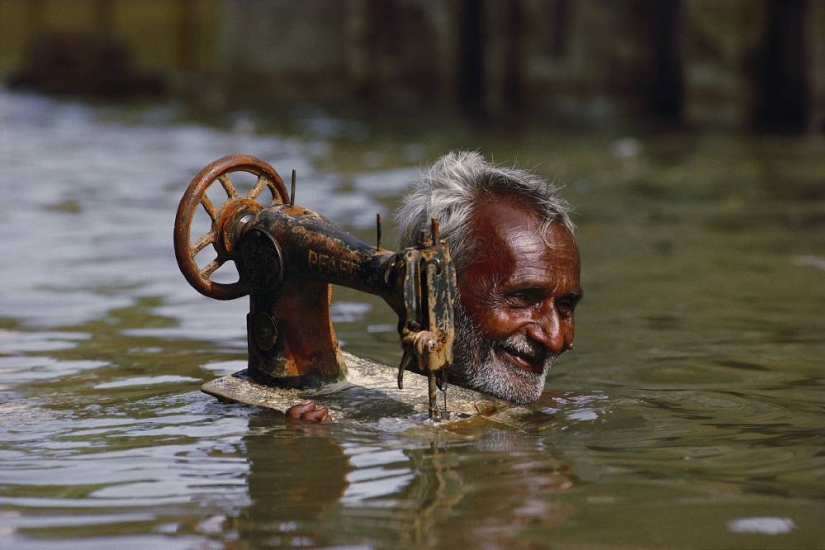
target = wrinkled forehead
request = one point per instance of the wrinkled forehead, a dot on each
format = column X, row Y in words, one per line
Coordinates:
column 511, row 238
column 499, row 219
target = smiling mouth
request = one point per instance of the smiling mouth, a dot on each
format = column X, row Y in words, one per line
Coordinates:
column 527, row 361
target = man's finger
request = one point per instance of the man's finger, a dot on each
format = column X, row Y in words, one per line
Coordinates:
column 297, row 411
column 318, row 414
column 309, row 411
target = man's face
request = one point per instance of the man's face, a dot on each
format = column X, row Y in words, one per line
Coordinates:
column 516, row 300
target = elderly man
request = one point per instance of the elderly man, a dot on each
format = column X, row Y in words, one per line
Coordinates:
column 517, row 266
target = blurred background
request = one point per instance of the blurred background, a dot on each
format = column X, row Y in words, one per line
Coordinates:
column 740, row 64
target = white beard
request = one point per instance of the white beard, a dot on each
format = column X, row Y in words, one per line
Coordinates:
column 478, row 367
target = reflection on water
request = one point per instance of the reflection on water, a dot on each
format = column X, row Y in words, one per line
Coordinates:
column 325, row 483
column 689, row 415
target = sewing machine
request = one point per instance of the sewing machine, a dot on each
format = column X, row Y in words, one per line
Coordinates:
column 288, row 257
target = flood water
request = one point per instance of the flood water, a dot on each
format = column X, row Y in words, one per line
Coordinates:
column 691, row 412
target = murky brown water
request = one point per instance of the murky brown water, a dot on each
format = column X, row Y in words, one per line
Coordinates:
column 694, row 414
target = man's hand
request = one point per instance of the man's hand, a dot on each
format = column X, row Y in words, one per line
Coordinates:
column 310, row 411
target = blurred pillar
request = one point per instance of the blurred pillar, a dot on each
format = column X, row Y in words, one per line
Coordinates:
column 34, row 18
column 375, row 40
column 359, row 55
column 104, row 17
column 471, row 74
column 559, row 34
column 186, row 35
column 783, row 97
column 513, row 85
column 667, row 96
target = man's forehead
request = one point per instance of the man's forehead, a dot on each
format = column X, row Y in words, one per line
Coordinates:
column 500, row 212
column 506, row 218
column 513, row 242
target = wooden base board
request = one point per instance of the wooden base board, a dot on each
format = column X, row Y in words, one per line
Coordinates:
column 371, row 395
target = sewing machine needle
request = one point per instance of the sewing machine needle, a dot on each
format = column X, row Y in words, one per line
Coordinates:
column 433, row 393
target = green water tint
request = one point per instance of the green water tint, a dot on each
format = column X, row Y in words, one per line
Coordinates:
column 689, row 415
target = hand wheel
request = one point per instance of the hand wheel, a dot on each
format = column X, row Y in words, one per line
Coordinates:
column 224, row 218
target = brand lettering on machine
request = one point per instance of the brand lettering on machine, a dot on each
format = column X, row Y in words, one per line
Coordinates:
column 325, row 263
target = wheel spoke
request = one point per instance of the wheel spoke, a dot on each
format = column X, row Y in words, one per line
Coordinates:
column 213, row 266
column 228, row 187
column 260, row 185
column 202, row 243
column 209, row 206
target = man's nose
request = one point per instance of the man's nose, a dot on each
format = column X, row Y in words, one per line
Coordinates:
column 549, row 330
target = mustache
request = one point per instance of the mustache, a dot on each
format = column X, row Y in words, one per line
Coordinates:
column 470, row 343
column 524, row 345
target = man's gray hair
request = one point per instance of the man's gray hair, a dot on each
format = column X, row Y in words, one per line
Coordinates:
column 451, row 187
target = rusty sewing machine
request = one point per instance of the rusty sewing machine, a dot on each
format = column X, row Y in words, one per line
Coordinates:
column 288, row 257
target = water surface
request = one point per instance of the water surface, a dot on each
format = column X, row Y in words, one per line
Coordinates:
column 690, row 414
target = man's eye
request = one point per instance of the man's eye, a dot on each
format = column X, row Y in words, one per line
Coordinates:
column 519, row 299
column 565, row 306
